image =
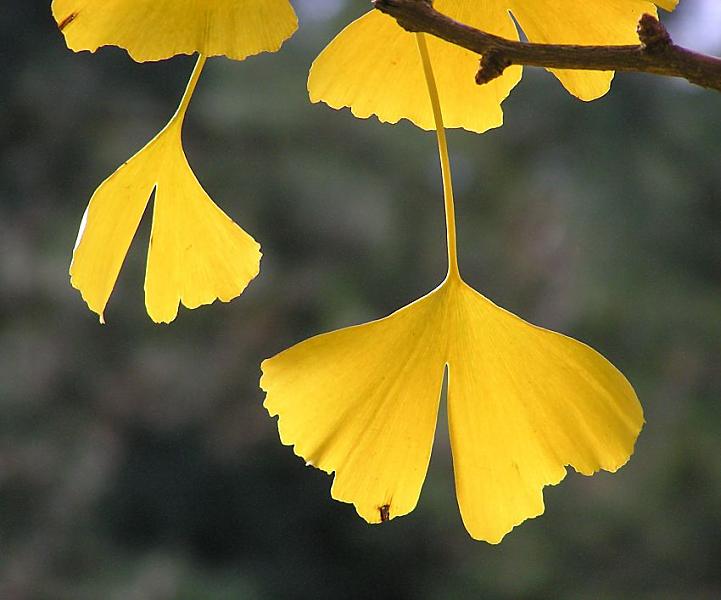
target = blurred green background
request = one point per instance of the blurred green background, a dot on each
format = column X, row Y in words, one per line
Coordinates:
column 137, row 462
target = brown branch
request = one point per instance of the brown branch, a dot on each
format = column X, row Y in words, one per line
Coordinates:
column 656, row 53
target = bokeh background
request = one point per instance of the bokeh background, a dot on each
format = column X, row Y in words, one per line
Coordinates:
column 137, row 462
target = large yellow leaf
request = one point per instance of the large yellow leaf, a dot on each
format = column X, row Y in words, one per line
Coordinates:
column 159, row 29
column 373, row 68
column 197, row 253
column 599, row 22
column 524, row 402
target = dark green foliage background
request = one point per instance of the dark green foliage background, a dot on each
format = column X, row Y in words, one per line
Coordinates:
column 137, row 462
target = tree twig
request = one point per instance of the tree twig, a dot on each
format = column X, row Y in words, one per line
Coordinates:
column 655, row 54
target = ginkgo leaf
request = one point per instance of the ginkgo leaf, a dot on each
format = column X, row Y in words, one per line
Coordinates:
column 197, row 253
column 158, row 29
column 524, row 402
column 372, row 67
column 600, row 22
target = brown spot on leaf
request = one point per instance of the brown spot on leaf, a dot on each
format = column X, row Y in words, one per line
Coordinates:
column 385, row 511
column 67, row 20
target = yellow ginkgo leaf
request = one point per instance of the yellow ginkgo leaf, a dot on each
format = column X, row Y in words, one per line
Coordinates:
column 372, row 66
column 197, row 253
column 597, row 22
column 523, row 403
column 158, row 29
